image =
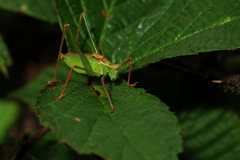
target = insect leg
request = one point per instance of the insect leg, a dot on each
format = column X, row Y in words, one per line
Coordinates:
column 59, row 53
column 67, row 79
column 78, row 31
column 129, row 70
column 108, row 96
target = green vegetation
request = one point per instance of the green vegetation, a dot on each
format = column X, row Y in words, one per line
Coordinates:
column 174, row 112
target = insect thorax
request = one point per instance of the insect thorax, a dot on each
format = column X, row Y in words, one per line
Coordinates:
column 107, row 70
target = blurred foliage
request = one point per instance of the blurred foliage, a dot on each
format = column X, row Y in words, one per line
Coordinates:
column 8, row 116
column 43, row 10
column 216, row 135
column 5, row 58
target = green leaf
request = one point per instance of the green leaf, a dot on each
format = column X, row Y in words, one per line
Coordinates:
column 160, row 125
column 141, row 127
column 29, row 92
column 155, row 30
column 211, row 134
column 8, row 116
column 43, row 9
column 5, row 58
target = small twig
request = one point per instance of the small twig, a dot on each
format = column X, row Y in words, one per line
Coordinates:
column 31, row 142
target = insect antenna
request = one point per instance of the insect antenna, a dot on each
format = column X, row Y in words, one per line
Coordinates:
column 184, row 69
column 88, row 30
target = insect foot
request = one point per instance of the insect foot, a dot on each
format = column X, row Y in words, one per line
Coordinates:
column 52, row 84
column 58, row 98
column 132, row 85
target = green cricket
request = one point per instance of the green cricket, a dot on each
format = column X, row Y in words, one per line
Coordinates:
column 91, row 64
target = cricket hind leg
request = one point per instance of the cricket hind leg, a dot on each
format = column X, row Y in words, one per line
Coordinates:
column 78, row 31
column 82, row 16
column 53, row 81
column 129, row 70
column 68, row 78
column 66, row 26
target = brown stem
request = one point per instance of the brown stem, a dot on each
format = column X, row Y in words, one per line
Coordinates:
column 31, row 142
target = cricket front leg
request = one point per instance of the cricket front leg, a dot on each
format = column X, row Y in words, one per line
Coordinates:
column 129, row 71
column 108, row 96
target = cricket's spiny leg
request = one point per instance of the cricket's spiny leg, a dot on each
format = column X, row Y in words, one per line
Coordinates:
column 65, row 84
column 129, row 70
column 78, row 31
column 68, row 77
column 82, row 16
column 109, row 99
column 59, row 55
